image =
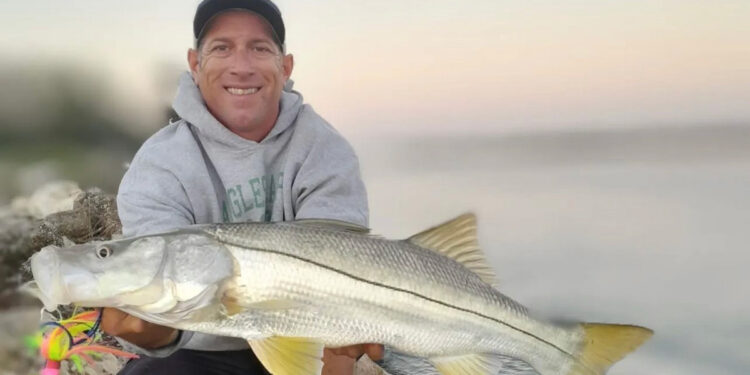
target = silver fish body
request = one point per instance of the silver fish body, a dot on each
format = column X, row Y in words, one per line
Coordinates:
column 428, row 296
column 373, row 290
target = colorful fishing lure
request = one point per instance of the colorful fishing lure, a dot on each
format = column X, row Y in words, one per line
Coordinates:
column 73, row 339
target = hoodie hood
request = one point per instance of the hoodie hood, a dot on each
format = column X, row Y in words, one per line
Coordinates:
column 189, row 105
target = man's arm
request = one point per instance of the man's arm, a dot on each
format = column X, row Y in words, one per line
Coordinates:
column 150, row 200
column 136, row 331
column 328, row 184
column 340, row 361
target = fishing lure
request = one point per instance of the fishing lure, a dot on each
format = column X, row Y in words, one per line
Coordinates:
column 73, row 339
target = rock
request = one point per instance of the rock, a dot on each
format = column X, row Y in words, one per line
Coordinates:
column 54, row 197
column 70, row 213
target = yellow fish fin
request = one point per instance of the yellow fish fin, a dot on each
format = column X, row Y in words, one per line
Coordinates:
column 605, row 344
column 289, row 355
column 233, row 303
column 457, row 239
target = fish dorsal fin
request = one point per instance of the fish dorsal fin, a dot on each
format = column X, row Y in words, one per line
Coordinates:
column 470, row 364
column 333, row 225
column 457, row 239
column 289, row 355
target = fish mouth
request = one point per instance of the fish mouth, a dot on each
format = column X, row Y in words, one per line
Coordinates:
column 47, row 284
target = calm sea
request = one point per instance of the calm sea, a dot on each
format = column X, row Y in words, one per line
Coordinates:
column 642, row 227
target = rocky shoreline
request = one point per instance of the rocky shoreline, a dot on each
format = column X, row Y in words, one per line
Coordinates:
column 59, row 213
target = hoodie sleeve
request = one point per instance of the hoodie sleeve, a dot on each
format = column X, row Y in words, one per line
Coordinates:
column 328, row 184
column 163, row 352
column 151, row 199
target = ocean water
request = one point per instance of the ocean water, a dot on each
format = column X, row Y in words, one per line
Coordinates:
column 655, row 234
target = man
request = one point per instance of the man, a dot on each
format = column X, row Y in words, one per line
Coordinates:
column 245, row 149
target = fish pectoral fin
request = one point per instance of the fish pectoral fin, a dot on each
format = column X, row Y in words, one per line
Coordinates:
column 289, row 355
column 470, row 364
column 274, row 304
column 231, row 304
column 234, row 305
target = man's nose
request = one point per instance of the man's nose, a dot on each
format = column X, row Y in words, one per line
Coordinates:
column 243, row 63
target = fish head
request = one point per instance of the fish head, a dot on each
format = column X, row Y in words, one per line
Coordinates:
column 96, row 272
column 149, row 274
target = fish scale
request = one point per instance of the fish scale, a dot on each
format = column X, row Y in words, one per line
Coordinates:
column 372, row 259
column 404, row 269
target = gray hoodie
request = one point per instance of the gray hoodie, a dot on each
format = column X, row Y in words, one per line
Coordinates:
column 302, row 169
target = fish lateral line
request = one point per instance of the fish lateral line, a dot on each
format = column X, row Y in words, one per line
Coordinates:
column 375, row 283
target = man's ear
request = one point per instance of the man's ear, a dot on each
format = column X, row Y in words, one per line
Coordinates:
column 287, row 64
column 193, row 63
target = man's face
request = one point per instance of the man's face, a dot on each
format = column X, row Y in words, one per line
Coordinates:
column 241, row 72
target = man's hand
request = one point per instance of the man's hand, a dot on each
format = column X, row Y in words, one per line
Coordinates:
column 340, row 361
column 136, row 331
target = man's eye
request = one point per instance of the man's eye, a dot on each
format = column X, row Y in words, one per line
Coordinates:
column 219, row 49
column 263, row 51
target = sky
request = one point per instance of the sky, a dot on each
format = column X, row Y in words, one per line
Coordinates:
column 448, row 67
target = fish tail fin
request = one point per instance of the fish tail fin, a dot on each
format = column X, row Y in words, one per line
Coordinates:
column 605, row 344
column 601, row 346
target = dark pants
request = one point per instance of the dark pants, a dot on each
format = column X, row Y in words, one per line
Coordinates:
column 195, row 362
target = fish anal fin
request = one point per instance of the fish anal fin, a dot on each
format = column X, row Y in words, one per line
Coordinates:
column 470, row 364
column 457, row 239
column 605, row 344
column 274, row 304
column 289, row 355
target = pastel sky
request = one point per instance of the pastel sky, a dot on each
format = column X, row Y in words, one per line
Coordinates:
column 412, row 66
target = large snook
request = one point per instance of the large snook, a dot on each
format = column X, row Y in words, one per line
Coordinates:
column 292, row 288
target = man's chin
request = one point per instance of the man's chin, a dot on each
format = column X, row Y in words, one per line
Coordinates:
column 249, row 127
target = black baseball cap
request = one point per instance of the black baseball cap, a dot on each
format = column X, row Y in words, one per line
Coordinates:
column 264, row 8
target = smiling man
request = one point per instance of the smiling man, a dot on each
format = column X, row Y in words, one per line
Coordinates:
column 240, row 69
column 246, row 148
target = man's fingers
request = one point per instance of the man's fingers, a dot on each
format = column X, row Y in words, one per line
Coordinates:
column 374, row 351
column 116, row 322
column 353, row 351
column 337, row 364
column 135, row 330
column 113, row 321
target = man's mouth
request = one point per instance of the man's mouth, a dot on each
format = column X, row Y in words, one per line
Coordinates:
column 239, row 91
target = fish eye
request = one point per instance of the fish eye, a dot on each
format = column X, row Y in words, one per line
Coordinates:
column 103, row 252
